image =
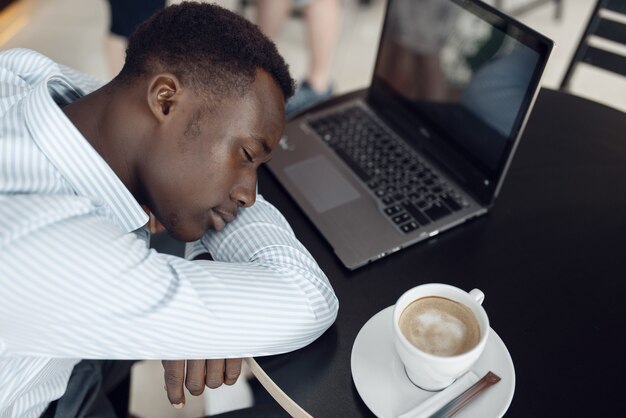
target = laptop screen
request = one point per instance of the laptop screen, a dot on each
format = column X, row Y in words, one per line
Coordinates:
column 465, row 71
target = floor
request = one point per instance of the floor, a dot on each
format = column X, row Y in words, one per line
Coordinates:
column 72, row 32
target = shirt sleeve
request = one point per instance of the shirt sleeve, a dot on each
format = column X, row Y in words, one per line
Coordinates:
column 74, row 285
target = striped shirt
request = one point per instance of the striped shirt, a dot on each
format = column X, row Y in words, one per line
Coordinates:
column 78, row 281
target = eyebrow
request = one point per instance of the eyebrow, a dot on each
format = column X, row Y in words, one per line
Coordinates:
column 266, row 148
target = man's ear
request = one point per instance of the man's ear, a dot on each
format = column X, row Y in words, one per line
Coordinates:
column 163, row 95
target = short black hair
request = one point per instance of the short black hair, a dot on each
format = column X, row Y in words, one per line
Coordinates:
column 207, row 47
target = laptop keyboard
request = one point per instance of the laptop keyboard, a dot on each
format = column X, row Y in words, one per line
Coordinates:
column 411, row 193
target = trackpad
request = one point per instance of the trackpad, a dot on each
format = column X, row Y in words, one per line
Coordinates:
column 321, row 183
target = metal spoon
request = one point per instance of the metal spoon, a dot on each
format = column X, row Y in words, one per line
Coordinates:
column 464, row 398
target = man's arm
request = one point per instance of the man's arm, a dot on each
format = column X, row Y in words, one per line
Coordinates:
column 196, row 374
column 78, row 286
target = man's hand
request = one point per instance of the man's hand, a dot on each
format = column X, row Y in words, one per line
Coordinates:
column 212, row 373
column 154, row 226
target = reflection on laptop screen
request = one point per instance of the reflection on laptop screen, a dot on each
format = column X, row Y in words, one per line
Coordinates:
column 468, row 77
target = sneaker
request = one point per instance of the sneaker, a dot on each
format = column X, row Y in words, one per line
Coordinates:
column 305, row 97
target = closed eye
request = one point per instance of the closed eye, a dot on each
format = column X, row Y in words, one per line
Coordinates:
column 247, row 154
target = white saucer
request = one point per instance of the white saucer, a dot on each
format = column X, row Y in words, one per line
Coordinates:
column 381, row 381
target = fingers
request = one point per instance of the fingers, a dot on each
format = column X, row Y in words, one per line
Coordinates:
column 194, row 381
column 220, row 371
column 215, row 373
column 233, row 370
column 154, row 226
column 174, row 374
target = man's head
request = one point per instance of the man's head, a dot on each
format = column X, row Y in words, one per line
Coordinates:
column 214, row 89
column 206, row 47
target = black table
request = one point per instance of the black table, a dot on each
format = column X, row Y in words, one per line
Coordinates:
column 550, row 257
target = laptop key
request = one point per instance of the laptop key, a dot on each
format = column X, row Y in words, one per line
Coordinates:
column 411, row 226
column 393, row 210
column 354, row 166
column 452, row 204
column 416, row 213
column 437, row 211
column 401, row 218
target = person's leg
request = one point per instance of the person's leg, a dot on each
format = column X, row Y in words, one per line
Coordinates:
column 87, row 390
column 125, row 16
column 323, row 24
column 271, row 15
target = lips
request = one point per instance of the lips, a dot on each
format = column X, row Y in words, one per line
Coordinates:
column 221, row 218
column 227, row 216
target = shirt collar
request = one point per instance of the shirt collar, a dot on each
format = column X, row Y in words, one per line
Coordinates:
column 71, row 154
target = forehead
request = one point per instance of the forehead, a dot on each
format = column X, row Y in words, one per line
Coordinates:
column 269, row 104
column 258, row 114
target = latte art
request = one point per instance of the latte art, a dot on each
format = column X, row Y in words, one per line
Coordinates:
column 440, row 326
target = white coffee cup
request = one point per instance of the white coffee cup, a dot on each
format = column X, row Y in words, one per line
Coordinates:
column 436, row 372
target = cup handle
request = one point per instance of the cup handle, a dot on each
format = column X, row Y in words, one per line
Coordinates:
column 478, row 295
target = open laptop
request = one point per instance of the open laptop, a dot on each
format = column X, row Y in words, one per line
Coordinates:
column 428, row 144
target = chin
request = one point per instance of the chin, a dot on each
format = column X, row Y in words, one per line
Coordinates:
column 181, row 229
column 186, row 235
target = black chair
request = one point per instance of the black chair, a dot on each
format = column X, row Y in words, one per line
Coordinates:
column 601, row 26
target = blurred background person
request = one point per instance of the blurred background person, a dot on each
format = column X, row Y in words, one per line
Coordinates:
column 322, row 20
column 125, row 17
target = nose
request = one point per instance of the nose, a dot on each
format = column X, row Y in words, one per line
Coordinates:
column 245, row 192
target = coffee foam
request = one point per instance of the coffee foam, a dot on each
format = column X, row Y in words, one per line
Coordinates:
column 440, row 326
